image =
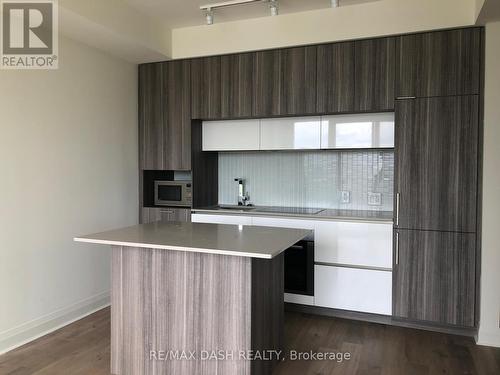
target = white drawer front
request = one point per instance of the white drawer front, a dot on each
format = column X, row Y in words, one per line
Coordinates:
column 221, row 219
column 353, row 289
column 352, row 243
column 283, row 223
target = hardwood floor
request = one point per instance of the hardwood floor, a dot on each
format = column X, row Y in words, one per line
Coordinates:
column 83, row 348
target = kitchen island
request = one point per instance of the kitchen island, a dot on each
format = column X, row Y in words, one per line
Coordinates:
column 194, row 298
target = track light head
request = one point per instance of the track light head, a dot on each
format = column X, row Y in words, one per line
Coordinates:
column 274, row 7
column 209, row 16
column 335, row 3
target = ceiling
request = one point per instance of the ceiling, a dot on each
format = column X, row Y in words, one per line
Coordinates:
column 184, row 13
column 489, row 12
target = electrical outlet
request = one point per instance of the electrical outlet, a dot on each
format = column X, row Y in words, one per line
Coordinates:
column 345, row 197
column 374, row 199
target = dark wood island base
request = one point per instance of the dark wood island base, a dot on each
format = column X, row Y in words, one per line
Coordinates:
column 175, row 312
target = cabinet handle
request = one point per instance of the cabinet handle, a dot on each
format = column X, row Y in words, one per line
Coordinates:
column 397, row 248
column 398, row 197
column 167, row 211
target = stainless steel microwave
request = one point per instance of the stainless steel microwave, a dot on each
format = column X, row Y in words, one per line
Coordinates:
column 173, row 193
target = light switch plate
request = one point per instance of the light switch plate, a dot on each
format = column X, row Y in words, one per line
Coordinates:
column 345, row 197
column 374, row 199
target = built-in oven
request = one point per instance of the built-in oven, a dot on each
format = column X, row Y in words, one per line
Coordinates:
column 299, row 268
column 173, row 193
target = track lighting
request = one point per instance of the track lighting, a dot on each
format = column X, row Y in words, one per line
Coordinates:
column 209, row 16
column 209, row 8
column 335, row 3
column 274, row 6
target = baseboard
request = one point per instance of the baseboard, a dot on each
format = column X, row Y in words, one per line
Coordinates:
column 27, row 332
column 379, row 319
column 488, row 339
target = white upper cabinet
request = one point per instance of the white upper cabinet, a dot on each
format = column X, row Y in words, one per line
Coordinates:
column 241, row 135
column 372, row 130
column 292, row 133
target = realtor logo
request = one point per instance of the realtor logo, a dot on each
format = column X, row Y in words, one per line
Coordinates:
column 29, row 37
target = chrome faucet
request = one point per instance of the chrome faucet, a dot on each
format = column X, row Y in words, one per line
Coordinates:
column 243, row 197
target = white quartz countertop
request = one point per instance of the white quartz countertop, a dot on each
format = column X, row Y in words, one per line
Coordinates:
column 222, row 239
column 315, row 214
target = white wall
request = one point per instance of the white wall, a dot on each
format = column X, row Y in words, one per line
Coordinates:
column 68, row 166
column 489, row 331
column 384, row 17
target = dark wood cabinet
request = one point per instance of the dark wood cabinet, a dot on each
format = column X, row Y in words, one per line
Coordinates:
column 237, row 85
column 178, row 114
column 436, row 163
column 165, row 116
column 335, row 78
column 375, row 70
column 206, row 88
column 439, row 63
column 298, row 81
column 151, row 116
column 267, row 83
column 434, row 277
column 153, row 214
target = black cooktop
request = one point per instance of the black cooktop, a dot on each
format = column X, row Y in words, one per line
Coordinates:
column 290, row 210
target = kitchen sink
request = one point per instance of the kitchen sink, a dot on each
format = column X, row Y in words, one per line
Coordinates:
column 237, row 208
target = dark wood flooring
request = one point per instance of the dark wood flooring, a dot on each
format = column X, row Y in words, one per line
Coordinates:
column 83, row 348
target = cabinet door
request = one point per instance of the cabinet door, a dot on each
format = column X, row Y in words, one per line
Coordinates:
column 298, row 82
column 375, row 74
column 221, row 219
column 153, row 214
column 353, row 289
column 206, row 88
column 237, row 85
column 434, row 277
column 152, row 120
column 176, row 214
column 335, row 78
column 282, row 223
column 439, row 63
column 436, row 163
column 149, row 215
column 267, row 83
column 368, row 130
column 165, row 116
column 177, row 152
column 236, row 135
column 353, row 243
column 290, row 133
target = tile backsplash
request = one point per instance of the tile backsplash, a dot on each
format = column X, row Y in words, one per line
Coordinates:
column 357, row 180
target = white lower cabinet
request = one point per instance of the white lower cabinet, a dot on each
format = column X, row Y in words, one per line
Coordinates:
column 342, row 242
column 358, row 245
column 283, row 223
column 353, row 243
column 353, row 289
column 221, row 219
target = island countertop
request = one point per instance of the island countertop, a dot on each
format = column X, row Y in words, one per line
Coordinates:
column 222, row 239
